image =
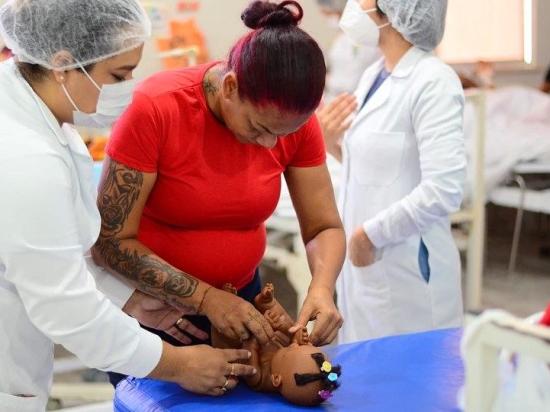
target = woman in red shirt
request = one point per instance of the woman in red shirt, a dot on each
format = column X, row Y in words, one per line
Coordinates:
column 194, row 170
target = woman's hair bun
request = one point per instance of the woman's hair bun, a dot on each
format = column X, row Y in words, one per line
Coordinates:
column 261, row 13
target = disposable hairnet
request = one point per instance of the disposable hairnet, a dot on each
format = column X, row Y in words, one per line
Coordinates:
column 421, row 22
column 336, row 6
column 88, row 30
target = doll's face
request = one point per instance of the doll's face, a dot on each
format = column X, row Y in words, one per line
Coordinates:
column 296, row 359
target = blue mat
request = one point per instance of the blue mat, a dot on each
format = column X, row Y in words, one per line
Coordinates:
column 420, row 372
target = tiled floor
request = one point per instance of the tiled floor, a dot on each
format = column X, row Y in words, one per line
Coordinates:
column 527, row 290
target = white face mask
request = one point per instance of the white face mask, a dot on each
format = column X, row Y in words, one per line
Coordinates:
column 358, row 26
column 113, row 101
column 333, row 21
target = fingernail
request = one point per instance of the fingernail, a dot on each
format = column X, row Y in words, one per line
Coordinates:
column 254, row 371
column 249, row 354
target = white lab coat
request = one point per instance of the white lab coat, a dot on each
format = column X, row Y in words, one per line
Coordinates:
column 404, row 167
column 48, row 221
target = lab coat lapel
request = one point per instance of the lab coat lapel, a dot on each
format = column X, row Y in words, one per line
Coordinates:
column 377, row 100
column 382, row 96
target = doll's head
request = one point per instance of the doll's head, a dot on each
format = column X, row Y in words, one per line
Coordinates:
column 303, row 375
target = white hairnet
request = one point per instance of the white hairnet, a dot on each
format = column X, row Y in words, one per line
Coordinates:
column 421, row 22
column 88, row 30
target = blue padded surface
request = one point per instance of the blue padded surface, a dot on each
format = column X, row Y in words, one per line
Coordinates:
column 420, row 372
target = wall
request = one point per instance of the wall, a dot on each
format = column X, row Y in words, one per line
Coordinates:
column 542, row 56
column 220, row 20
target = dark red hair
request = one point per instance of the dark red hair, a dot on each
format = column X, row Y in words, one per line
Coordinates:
column 278, row 63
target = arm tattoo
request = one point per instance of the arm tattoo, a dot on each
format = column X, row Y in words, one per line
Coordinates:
column 118, row 196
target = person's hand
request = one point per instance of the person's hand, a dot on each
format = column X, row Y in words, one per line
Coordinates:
column 361, row 249
column 319, row 306
column 202, row 369
column 156, row 314
column 234, row 317
column 334, row 118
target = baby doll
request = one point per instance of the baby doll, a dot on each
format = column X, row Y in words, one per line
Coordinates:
column 289, row 363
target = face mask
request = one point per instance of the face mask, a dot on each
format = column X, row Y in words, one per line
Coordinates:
column 113, row 101
column 333, row 21
column 358, row 26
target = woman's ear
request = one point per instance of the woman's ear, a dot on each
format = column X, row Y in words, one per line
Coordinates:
column 60, row 59
column 59, row 76
column 230, row 86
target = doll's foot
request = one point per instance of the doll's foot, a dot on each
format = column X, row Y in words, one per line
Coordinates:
column 267, row 292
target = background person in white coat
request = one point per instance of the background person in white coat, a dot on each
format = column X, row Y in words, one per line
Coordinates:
column 74, row 61
column 346, row 60
column 404, row 169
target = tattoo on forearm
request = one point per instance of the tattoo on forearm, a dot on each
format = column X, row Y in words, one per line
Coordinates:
column 116, row 201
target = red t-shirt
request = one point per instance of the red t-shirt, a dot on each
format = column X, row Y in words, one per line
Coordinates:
column 546, row 317
column 206, row 213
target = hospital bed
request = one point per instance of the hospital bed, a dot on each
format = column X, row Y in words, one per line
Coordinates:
column 505, row 360
column 523, row 198
column 517, row 141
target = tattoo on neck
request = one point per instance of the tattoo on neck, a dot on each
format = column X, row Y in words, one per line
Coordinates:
column 212, row 80
column 209, row 87
column 116, row 201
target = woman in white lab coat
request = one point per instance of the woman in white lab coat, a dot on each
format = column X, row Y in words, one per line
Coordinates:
column 404, row 169
column 74, row 59
column 346, row 60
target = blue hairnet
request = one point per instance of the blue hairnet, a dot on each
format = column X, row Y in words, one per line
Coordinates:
column 87, row 31
column 421, row 22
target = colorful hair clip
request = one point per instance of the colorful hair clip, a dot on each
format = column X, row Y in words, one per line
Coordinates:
column 326, row 367
column 325, row 394
column 332, row 377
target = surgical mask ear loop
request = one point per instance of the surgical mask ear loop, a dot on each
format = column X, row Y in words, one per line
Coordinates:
column 75, row 107
column 381, row 26
column 88, row 76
